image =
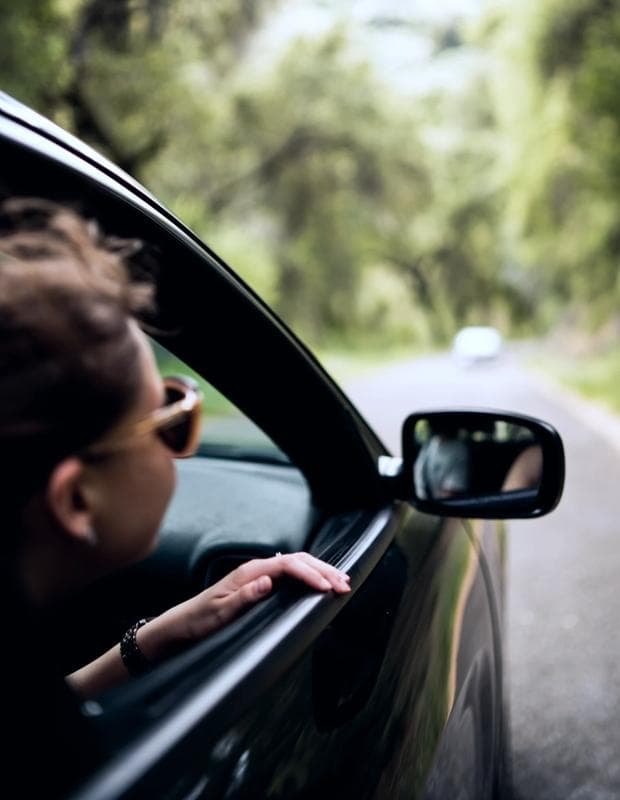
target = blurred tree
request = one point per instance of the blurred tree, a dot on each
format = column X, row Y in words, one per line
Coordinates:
column 311, row 163
column 33, row 55
column 560, row 113
column 354, row 213
column 126, row 93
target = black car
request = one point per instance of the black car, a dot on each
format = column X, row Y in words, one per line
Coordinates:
column 394, row 690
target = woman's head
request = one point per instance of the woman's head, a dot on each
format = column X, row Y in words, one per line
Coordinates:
column 73, row 361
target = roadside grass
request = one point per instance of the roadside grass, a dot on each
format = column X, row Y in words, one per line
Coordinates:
column 595, row 376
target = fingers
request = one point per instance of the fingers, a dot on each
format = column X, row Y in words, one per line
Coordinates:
column 302, row 566
column 330, row 576
column 219, row 604
column 231, row 605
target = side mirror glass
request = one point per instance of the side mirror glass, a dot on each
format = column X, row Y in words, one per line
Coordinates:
column 482, row 464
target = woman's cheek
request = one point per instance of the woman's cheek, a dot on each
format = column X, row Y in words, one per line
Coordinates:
column 137, row 505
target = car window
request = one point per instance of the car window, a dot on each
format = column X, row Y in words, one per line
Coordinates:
column 226, row 431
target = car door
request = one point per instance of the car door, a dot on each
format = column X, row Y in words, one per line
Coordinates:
column 391, row 691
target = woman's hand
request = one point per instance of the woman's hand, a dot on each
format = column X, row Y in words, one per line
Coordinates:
column 219, row 604
column 207, row 612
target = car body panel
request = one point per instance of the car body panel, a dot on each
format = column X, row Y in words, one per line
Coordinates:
column 357, row 697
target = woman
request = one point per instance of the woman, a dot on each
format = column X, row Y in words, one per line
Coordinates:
column 90, row 435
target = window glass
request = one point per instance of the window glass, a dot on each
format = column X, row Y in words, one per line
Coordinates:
column 226, row 431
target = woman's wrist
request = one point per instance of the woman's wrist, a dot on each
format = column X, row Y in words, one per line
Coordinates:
column 132, row 656
column 159, row 637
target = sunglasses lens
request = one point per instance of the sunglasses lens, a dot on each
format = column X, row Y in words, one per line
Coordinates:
column 177, row 435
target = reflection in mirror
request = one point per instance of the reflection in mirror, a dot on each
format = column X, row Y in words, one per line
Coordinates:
column 465, row 458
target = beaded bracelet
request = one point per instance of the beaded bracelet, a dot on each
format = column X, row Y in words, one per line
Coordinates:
column 136, row 663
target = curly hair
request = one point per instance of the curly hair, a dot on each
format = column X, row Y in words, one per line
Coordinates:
column 68, row 360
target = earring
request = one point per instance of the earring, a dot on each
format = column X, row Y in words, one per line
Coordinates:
column 90, row 536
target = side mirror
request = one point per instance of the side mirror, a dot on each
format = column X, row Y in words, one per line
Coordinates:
column 481, row 464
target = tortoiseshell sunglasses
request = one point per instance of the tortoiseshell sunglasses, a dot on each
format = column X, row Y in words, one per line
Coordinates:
column 176, row 423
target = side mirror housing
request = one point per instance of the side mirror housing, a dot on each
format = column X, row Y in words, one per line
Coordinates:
column 481, row 464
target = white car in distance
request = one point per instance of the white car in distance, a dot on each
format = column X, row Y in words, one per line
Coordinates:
column 477, row 344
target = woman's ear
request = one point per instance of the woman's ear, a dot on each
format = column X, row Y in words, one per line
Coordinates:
column 68, row 500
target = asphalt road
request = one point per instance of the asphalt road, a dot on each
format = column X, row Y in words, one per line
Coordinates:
column 563, row 642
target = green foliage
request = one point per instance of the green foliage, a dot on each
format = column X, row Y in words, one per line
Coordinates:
column 358, row 216
column 289, row 166
column 33, row 53
column 562, row 156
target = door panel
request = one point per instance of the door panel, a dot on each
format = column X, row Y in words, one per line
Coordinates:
column 414, row 641
column 414, row 644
